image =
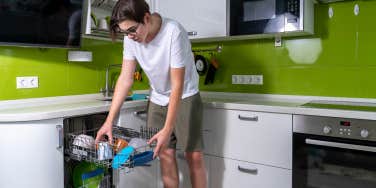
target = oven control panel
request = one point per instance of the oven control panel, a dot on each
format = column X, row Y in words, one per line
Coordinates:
column 335, row 127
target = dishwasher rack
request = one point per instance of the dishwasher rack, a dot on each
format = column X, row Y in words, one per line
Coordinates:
column 81, row 147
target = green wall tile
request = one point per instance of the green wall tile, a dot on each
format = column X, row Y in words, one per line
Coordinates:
column 57, row 76
column 339, row 60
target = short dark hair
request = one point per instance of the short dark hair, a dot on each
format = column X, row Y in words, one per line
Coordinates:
column 127, row 10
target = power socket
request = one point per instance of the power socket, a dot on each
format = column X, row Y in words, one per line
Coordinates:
column 27, row 82
column 248, row 79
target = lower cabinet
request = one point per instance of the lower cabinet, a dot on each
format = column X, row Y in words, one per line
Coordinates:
column 248, row 149
column 31, row 154
column 227, row 173
column 183, row 167
column 145, row 176
column 184, row 173
column 242, row 149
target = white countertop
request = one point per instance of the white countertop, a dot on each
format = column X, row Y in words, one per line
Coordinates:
column 286, row 104
column 56, row 107
column 68, row 106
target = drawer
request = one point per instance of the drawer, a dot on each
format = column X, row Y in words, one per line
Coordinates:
column 264, row 138
column 232, row 173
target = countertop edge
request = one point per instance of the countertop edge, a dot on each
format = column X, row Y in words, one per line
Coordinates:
column 69, row 106
column 294, row 110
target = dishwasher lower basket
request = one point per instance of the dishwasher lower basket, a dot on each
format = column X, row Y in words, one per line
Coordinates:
column 81, row 147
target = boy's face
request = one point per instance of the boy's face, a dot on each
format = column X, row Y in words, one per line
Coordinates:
column 134, row 30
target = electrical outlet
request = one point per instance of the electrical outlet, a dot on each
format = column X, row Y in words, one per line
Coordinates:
column 27, row 82
column 234, row 79
column 257, row 79
column 278, row 41
column 247, row 79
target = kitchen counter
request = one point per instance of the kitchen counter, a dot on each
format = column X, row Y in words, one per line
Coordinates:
column 55, row 107
column 289, row 104
column 68, row 106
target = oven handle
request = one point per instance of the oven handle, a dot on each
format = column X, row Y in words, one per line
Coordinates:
column 340, row 145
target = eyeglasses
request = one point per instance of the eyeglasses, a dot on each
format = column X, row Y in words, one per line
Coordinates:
column 131, row 30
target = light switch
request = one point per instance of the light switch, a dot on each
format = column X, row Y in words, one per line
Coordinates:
column 80, row 56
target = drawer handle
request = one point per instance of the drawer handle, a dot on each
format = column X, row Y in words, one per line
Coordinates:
column 206, row 130
column 247, row 170
column 192, row 33
column 181, row 156
column 137, row 113
column 60, row 138
column 254, row 118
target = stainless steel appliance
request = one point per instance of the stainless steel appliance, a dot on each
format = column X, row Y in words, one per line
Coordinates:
column 333, row 152
column 250, row 17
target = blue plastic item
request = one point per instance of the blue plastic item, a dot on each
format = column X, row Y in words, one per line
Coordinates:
column 122, row 157
column 142, row 158
column 87, row 174
column 91, row 174
column 137, row 96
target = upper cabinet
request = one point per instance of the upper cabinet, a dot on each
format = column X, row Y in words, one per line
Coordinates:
column 206, row 20
column 240, row 19
column 96, row 19
column 201, row 18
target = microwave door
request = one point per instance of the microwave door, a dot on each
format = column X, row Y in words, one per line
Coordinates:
column 256, row 16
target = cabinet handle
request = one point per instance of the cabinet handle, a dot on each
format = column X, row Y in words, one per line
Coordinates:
column 254, row 118
column 192, row 33
column 181, row 156
column 136, row 113
column 206, row 130
column 60, row 133
column 247, row 170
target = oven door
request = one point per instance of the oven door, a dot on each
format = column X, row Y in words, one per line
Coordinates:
column 264, row 16
column 326, row 162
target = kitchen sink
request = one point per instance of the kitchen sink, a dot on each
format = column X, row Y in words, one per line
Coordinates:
column 129, row 98
column 133, row 97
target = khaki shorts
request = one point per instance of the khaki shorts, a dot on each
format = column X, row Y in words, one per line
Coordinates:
column 187, row 132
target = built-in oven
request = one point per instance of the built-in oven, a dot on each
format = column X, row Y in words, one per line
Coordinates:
column 333, row 152
column 249, row 17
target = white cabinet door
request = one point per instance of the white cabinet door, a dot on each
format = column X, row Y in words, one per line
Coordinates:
column 145, row 176
column 132, row 118
column 227, row 173
column 31, row 154
column 184, row 175
column 207, row 130
column 201, row 18
column 264, row 138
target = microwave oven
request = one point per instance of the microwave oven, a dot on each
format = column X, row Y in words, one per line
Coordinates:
column 270, row 17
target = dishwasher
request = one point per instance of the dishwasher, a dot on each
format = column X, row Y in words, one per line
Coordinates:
column 90, row 165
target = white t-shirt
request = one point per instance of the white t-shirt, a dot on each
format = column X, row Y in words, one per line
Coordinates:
column 170, row 48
